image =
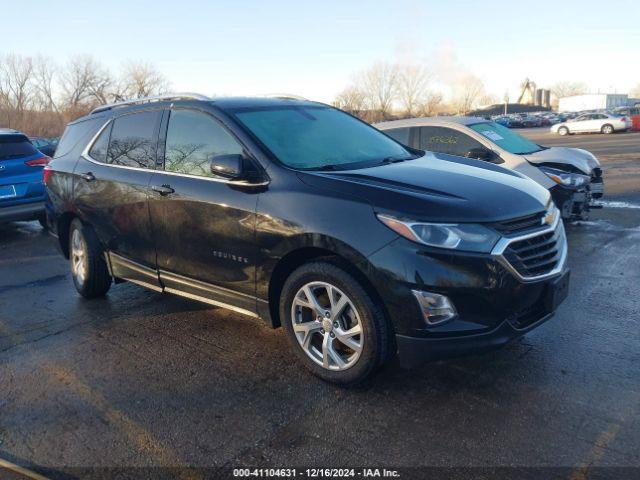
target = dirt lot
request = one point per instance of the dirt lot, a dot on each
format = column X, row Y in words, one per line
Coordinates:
column 145, row 380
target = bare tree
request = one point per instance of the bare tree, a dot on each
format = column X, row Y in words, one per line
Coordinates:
column 412, row 87
column 635, row 91
column 467, row 93
column 84, row 82
column 379, row 84
column 16, row 82
column 141, row 79
column 567, row 89
column 431, row 104
column 351, row 99
column 45, row 73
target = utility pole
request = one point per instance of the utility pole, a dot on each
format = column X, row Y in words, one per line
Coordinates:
column 506, row 101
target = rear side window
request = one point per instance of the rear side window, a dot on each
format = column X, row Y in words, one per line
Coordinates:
column 15, row 146
column 193, row 139
column 98, row 151
column 76, row 132
column 446, row 140
column 399, row 134
column 133, row 140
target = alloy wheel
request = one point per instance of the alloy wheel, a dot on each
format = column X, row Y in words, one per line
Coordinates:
column 78, row 256
column 327, row 325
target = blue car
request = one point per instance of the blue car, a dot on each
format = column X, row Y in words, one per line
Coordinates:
column 22, row 192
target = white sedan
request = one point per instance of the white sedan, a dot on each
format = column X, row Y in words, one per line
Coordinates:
column 593, row 123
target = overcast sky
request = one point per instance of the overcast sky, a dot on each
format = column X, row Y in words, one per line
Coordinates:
column 312, row 48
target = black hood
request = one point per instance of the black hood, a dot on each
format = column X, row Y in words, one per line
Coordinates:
column 439, row 188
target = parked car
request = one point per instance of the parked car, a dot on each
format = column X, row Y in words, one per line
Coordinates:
column 502, row 120
column 45, row 145
column 572, row 175
column 298, row 213
column 593, row 123
column 22, row 191
column 531, row 122
column 515, row 121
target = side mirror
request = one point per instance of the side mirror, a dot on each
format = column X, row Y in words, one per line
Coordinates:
column 484, row 154
column 228, row 166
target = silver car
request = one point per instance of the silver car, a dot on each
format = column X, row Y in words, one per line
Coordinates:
column 593, row 123
column 572, row 175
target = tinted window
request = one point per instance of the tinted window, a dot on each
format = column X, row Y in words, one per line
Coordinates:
column 312, row 137
column 133, row 140
column 193, row 139
column 99, row 149
column 399, row 134
column 15, row 146
column 504, row 138
column 446, row 140
column 76, row 132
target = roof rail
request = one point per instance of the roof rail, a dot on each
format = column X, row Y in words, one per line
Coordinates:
column 284, row 96
column 156, row 98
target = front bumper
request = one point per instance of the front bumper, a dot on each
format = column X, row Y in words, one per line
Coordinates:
column 26, row 211
column 494, row 303
column 413, row 351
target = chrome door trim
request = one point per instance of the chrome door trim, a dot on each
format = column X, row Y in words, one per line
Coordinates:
column 216, row 303
column 114, row 258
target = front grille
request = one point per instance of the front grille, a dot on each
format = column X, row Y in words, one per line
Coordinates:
column 538, row 255
column 520, row 225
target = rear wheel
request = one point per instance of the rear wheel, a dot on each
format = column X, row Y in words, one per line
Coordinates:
column 333, row 324
column 607, row 129
column 563, row 131
column 88, row 266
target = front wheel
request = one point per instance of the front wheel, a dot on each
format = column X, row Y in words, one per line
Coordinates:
column 88, row 266
column 563, row 131
column 607, row 129
column 333, row 324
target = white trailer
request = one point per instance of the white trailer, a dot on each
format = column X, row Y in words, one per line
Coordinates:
column 596, row 101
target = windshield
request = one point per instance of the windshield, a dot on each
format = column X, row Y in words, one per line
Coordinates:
column 505, row 138
column 319, row 137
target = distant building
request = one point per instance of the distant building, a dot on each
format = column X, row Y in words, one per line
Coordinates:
column 595, row 101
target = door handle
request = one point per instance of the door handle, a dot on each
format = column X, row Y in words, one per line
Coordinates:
column 89, row 177
column 163, row 190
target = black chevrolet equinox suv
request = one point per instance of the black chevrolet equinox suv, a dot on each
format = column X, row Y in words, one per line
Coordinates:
column 302, row 215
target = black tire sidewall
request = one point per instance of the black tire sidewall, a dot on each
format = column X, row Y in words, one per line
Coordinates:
column 97, row 281
column 373, row 323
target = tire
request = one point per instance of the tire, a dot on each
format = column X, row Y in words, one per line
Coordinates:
column 88, row 266
column 607, row 129
column 327, row 335
column 563, row 131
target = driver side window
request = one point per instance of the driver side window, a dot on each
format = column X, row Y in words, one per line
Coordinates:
column 446, row 140
column 193, row 139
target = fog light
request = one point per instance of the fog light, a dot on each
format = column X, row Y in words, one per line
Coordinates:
column 436, row 308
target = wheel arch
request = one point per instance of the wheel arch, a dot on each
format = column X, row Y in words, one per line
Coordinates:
column 62, row 228
column 353, row 263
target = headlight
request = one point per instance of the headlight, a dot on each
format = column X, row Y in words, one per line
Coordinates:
column 459, row 236
column 571, row 180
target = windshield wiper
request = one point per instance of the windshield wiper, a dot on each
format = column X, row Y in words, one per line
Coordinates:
column 388, row 160
column 323, row 168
